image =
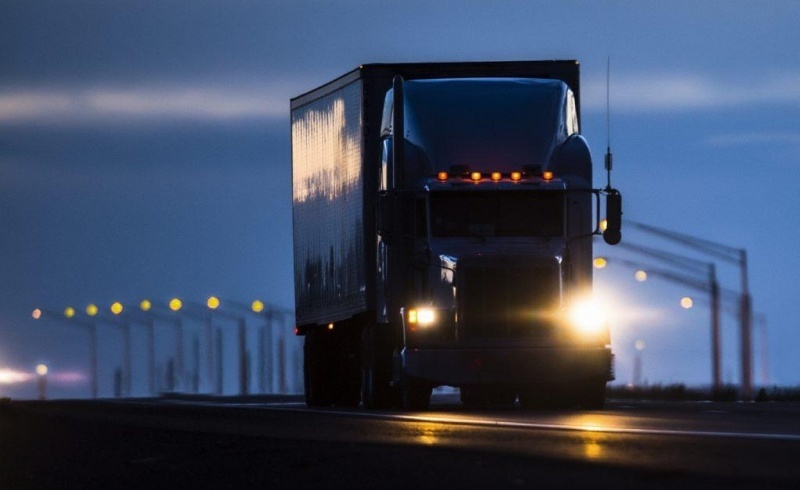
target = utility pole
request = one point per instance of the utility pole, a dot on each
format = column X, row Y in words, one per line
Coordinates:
column 729, row 254
column 91, row 327
column 710, row 285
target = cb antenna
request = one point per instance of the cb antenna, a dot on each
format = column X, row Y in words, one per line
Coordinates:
column 609, row 157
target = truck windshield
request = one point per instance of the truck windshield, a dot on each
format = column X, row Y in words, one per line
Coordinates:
column 511, row 214
column 494, row 125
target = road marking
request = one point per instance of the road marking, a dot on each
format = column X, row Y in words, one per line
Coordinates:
column 301, row 407
column 562, row 427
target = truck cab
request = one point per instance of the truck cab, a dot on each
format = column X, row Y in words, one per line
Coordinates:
column 496, row 228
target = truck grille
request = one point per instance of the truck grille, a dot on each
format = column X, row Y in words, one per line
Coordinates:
column 505, row 301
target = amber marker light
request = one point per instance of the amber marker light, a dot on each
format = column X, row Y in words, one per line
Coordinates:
column 175, row 304
column 92, row 310
column 496, row 176
column 547, row 175
column 257, row 306
column 476, row 176
column 516, row 176
column 442, row 176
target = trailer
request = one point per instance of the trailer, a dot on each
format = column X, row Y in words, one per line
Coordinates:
column 443, row 220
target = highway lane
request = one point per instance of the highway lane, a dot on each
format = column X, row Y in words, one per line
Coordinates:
column 641, row 444
column 738, row 440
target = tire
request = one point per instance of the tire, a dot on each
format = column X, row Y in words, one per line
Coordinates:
column 592, row 395
column 416, row 394
column 331, row 368
column 316, row 375
column 376, row 369
column 588, row 395
column 545, row 396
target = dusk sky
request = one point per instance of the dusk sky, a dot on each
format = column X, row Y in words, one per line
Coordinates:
column 145, row 153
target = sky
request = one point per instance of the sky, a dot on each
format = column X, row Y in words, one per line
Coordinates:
column 144, row 153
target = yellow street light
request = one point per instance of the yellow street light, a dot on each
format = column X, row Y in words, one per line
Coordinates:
column 69, row 312
column 639, row 344
column 91, row 310
column 600, row 262
column 686, row 302
column 145, row 305
column 603, row 225
column 41, row 369
column 175, row 304
column 213, row 302
column 116, row 308
column 37, row 313
column 257, row 306
column 640, row 275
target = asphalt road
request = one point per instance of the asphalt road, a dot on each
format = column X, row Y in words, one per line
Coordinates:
column 275, row 442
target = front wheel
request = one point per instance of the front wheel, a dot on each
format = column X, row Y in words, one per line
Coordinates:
column 416, row 394
column 592, row 395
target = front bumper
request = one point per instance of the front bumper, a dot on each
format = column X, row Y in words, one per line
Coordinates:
column 519, row 366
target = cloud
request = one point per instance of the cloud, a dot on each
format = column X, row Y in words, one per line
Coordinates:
column 220, row 101
column 755, row 138
column 166, row 102
column 687, row 92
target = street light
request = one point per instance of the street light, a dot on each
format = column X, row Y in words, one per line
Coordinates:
column 148, row 320
column 41, row 370
column 199, row 312
column 68, row 317
column 637, row 363
column 213, row 303
column 116, row 308
column 149, row 310
column 174, row 305
column 729, row 254
column 708, row 285
column 269, row 313
column 94, row 311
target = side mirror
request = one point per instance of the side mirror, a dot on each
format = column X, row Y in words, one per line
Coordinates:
column 613, row 232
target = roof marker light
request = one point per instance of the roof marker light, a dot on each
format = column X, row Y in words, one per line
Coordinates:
column 496, row 176
column 547, row 175
column 442, row 176
column 476, row 176
column 516, row 176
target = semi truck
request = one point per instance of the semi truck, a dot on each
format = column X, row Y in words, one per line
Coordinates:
column 443, row 222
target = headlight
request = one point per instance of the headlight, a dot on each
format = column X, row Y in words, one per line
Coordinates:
column 588, row 316
column 424, row 317
column 427, row 324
